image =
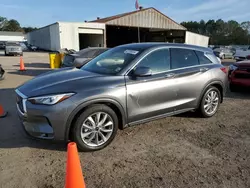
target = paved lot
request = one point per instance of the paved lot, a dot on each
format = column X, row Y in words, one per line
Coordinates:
column 181, row 151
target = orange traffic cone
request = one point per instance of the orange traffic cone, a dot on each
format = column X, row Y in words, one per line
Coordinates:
column 22, row 68
column 74, row 177
column 2, row 112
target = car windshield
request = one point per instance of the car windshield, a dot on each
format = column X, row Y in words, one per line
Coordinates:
column 112, row 61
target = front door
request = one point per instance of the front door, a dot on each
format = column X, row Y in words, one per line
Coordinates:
column 154, row 95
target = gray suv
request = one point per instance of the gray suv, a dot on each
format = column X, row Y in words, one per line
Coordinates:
column 124, row 86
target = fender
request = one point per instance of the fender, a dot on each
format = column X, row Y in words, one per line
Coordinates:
column 90, row 102
column 209, row 84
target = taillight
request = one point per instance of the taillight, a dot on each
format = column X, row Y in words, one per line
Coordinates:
column 224, row 69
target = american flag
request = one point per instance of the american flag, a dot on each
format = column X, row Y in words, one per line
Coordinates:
column 137, row 5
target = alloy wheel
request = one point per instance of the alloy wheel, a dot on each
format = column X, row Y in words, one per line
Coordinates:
column 211, row 102
column 97, row 129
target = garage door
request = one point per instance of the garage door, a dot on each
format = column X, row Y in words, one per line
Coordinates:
column 90, row 31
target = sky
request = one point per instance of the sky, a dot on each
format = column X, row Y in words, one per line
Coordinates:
column 37, row 13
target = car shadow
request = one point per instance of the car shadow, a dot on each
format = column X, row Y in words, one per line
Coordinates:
column 241, row 93
column 35, row 65
column 12, row 134
column 30, row 72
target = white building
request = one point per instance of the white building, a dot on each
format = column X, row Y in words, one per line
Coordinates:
column 12, row 36
column 144, row 25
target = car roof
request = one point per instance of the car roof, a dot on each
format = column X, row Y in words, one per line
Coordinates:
column 148, row 45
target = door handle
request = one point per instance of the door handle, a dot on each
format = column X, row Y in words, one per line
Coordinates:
column 204, row 69
column 170, row 75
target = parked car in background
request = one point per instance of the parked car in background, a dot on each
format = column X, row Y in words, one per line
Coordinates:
column 2, row 45
column 124, row 86
column 13, row 48
column 32, row 47
column 1, row 72
column 224, row 53
column 80, row 58
column 239, row 75
column 24, row 46
column 242, row 53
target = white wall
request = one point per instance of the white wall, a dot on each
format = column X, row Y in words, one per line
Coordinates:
column 69, row 33
column 196, row 39
column 12, row 38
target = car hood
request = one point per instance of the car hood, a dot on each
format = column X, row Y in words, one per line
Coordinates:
column 57, row 81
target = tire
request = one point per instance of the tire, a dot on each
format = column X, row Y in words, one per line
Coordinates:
column 203, row 111
column 232, row 88
column 83, row 118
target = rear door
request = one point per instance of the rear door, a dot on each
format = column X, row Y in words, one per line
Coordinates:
column 191, row 69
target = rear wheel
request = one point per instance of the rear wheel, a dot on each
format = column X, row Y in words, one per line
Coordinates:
column 95, row 128
column 210, row 102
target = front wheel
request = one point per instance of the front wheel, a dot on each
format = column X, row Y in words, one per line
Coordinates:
column 210, row 102
column 95, row 128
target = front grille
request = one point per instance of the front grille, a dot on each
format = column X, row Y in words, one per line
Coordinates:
column 19, row 101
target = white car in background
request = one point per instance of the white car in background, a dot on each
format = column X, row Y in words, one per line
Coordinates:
column 13, row 48
column 242, row 53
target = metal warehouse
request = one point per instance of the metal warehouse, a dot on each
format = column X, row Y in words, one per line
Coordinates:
column 144, row 25
column 12, row 36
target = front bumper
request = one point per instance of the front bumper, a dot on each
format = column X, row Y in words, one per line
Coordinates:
column 14, row 53
column 42, row 121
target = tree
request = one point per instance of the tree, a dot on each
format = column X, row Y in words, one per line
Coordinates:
column 29, row 29
column 12, row 25
column 221, row 32
column 246, row 26
column 3, row 22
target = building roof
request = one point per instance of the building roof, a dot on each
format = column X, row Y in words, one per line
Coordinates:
column 148, row 18
column 11, row 33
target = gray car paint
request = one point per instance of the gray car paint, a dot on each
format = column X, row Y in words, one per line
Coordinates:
column 138, row 99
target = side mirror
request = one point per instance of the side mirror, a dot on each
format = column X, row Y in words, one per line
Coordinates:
column 142, row 72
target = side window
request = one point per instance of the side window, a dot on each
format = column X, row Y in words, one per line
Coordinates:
column 181, row 58
column 202, row 58
column 157, row 61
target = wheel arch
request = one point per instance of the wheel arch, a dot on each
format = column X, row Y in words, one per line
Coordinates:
column 113, row 104
column 218, row 85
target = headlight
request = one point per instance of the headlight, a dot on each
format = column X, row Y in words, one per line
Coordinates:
column 50, row 99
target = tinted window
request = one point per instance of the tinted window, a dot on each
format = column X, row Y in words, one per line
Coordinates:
column 157, row 61
column 202, row 58
column 183, row 58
